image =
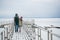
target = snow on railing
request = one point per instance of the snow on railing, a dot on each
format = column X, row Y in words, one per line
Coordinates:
column 49, row 35
column 8, row 31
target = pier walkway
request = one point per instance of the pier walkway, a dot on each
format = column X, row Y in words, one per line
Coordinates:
column 19, row 35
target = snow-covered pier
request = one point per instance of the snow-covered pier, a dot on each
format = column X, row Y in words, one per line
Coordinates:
column 28, row 31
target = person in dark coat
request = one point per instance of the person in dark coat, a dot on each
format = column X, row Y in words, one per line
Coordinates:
column 16, row 22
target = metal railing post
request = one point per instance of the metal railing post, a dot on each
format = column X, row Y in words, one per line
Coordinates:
column 51, row 36
column 1, row 35
column 40, row 34
column 48, row 35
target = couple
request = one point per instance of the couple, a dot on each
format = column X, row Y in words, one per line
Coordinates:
column 16, row 22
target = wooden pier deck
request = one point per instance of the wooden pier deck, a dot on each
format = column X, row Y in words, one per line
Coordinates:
column 20, row 35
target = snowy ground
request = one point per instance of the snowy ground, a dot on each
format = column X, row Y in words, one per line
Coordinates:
column 20, row 35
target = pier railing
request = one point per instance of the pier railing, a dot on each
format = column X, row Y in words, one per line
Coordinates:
column 34, row 32
column 8, row 31
column 49, row 35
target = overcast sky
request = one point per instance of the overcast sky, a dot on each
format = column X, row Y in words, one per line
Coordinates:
column 30, row 8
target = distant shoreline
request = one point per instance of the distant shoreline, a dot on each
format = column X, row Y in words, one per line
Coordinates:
column 30, row 17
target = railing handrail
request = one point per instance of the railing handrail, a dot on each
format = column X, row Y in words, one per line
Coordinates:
column 2, row 25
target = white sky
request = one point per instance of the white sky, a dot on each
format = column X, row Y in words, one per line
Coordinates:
column 30, row 8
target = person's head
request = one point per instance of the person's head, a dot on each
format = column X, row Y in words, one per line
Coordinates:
column 16, row 14
column 21, row 17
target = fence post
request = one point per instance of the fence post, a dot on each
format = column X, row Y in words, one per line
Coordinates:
column 40, row 34
column 48, row 35
column 6, row 33
column 1, row 35
column 51, row 34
